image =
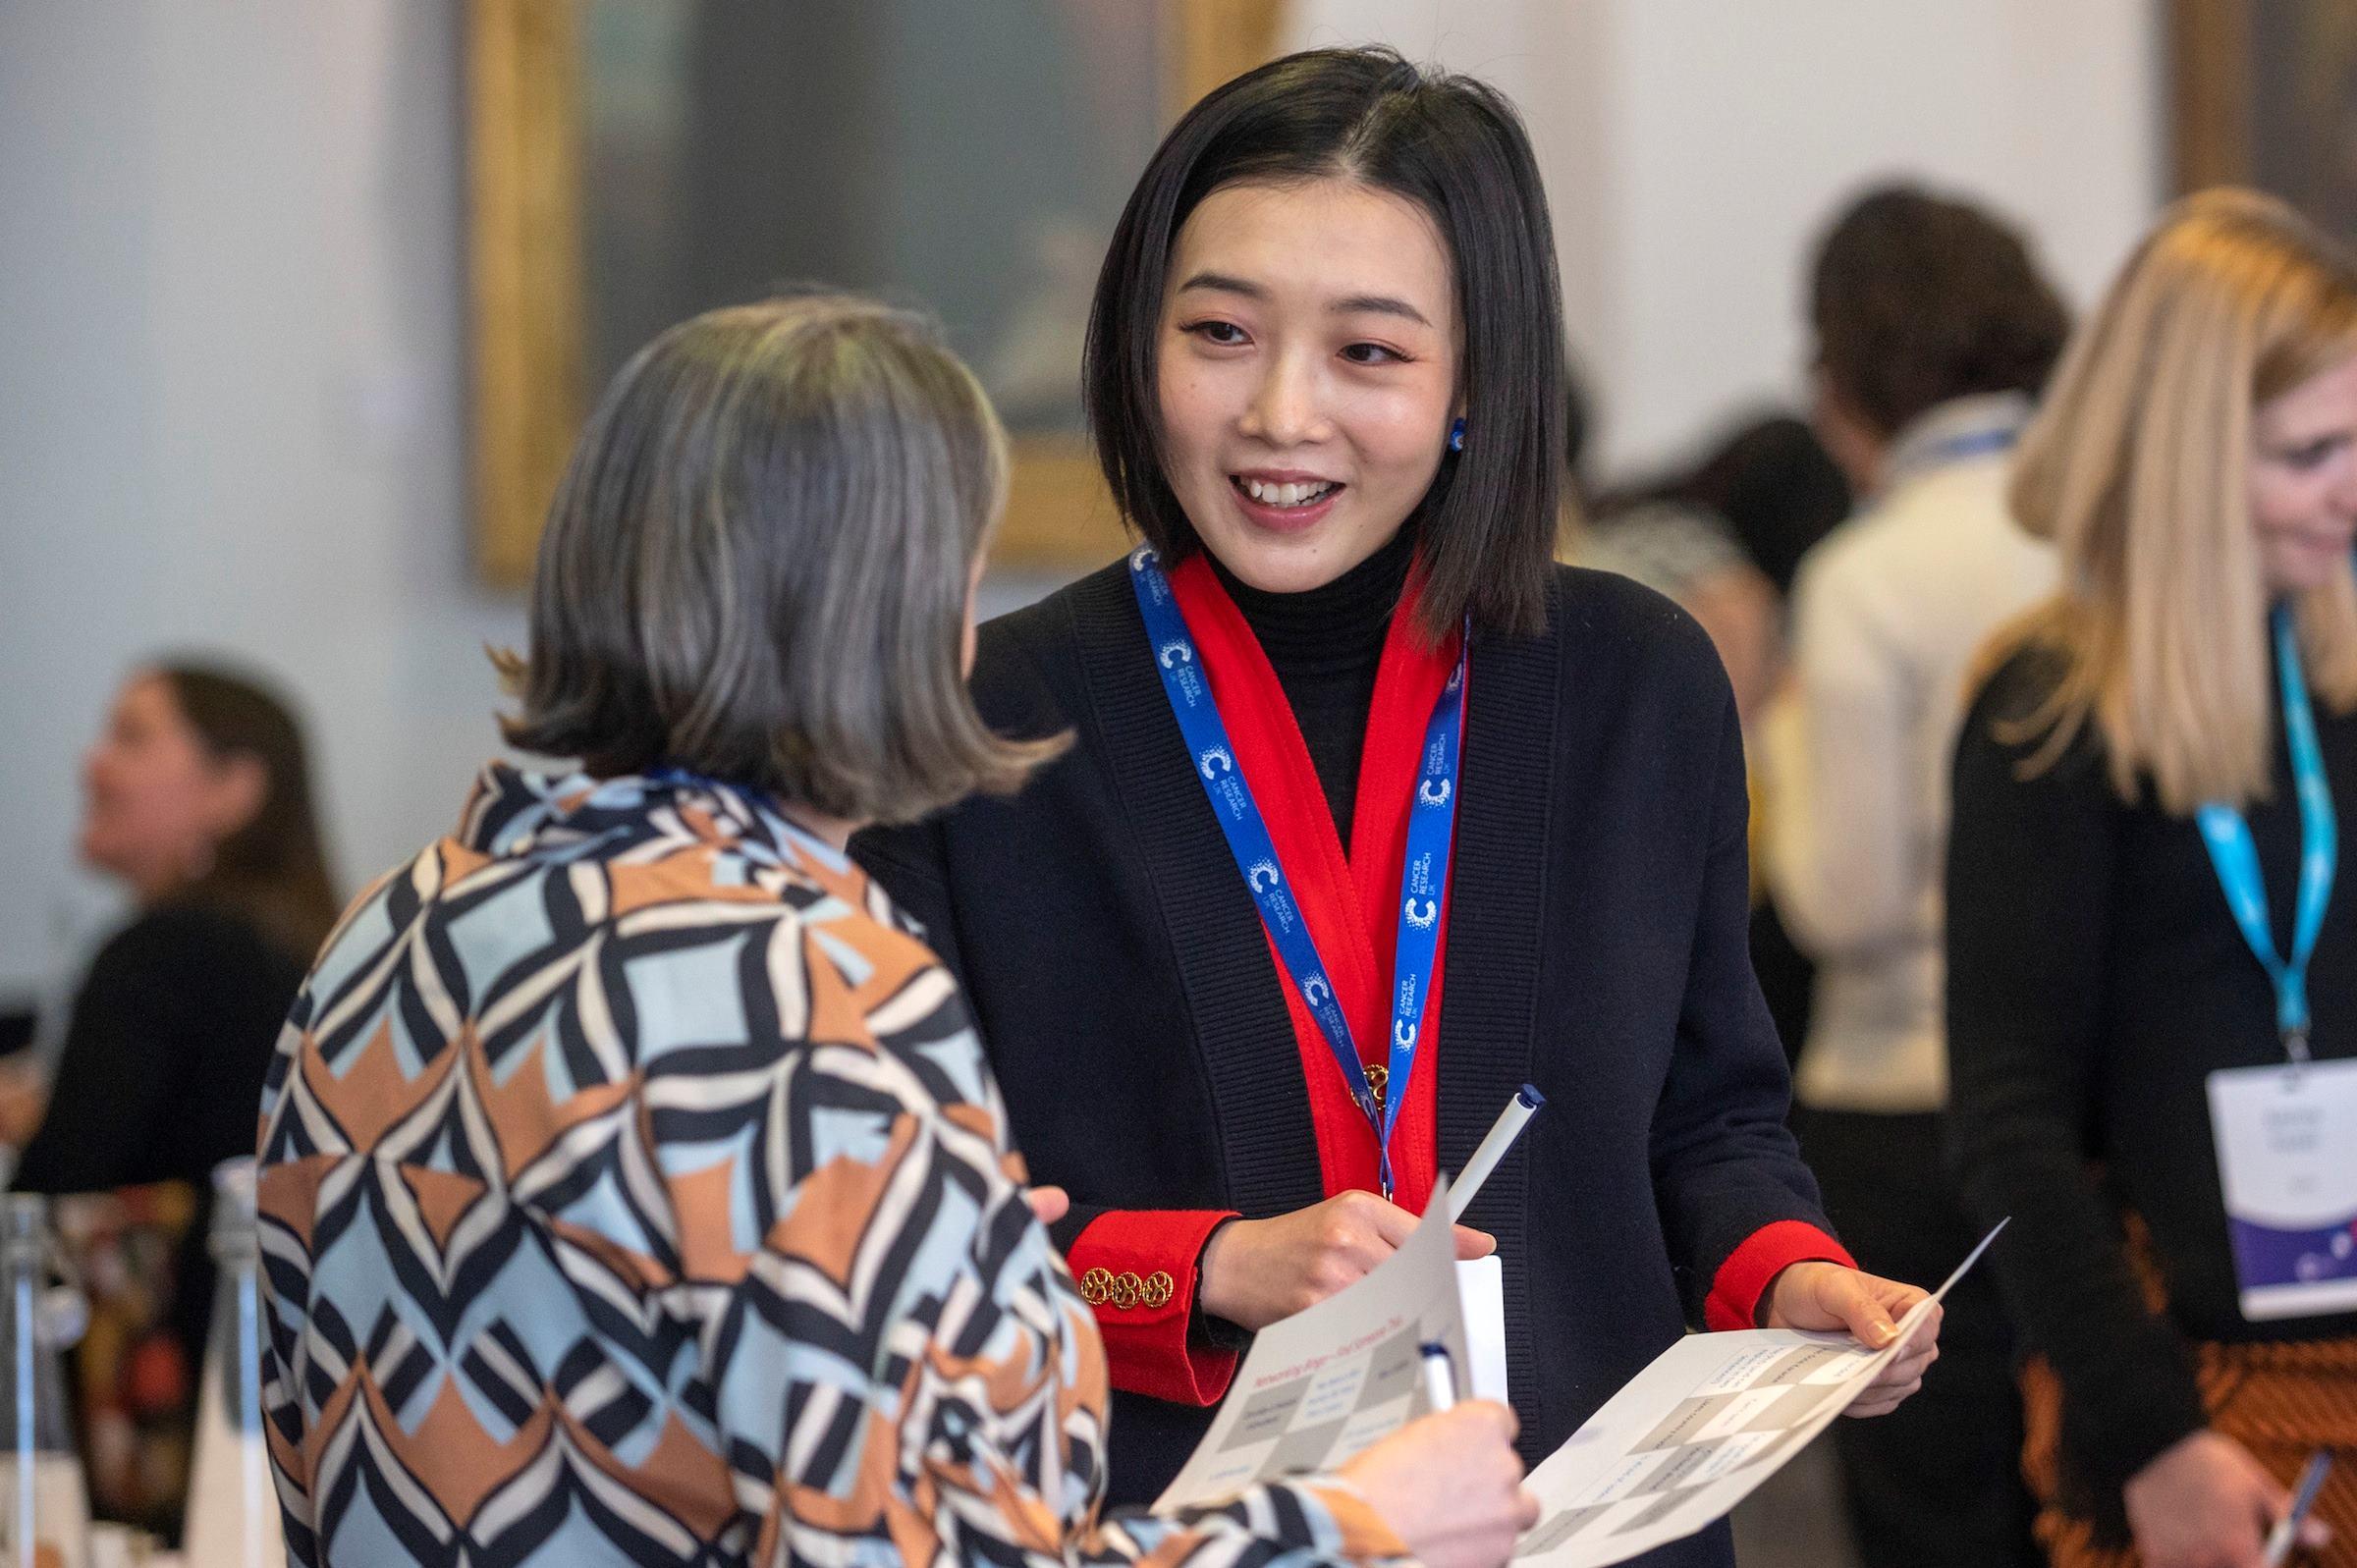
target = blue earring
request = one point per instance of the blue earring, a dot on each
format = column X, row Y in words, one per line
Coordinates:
column 1456, row 436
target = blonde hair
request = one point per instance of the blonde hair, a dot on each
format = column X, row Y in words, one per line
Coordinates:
column 2138, row 469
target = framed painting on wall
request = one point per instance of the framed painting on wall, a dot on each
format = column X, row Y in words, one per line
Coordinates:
column 632, row 162
column 2265, row 93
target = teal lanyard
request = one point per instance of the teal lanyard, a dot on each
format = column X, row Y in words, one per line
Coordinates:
column 2235, row 855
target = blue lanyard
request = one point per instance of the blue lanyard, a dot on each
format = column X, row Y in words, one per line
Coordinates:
column 1974, row 444
column 1431, row 830
column 2235, row 854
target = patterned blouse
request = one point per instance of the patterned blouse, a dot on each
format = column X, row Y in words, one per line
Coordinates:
column 633, row 1190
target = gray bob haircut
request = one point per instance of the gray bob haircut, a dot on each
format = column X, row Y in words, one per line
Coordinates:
column 756, row 566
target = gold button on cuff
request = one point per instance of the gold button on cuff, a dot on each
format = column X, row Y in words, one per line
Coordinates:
column 1126, row 1291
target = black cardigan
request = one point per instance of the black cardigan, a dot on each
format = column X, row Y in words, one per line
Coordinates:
column 160, row 1077
column 2096, row 977
column 1117, row 969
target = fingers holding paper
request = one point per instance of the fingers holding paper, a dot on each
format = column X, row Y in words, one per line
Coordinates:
column 1256, row 1271
column 1450, row 1486
column 1828, row 1297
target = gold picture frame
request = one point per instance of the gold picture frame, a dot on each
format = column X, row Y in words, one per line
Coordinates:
column 2264, row 93
column 527, row 290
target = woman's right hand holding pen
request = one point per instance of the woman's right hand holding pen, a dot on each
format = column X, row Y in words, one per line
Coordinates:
column 2206, row 1503
column 1450, row 1485
column 1254, row 1271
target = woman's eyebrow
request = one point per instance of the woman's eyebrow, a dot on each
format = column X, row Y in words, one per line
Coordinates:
column 1222, row 283
column 1381, row 305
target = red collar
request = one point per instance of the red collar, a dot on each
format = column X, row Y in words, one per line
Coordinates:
column 1349, row 902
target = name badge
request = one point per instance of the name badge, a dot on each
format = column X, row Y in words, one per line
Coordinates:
column 2286, row 1141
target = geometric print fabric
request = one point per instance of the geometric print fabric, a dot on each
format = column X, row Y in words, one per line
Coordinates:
column 634, row 1191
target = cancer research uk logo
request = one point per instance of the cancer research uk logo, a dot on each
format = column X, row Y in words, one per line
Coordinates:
column 1432, row 792
column 1178, row 658
column 1268, row 886
column 1316, row 992
column 1142, row 562
column 1221, row 779
column 1423, row 907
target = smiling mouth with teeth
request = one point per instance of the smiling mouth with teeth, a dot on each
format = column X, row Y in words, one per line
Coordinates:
column 1285, row 495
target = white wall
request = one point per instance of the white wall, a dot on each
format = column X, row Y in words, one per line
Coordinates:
column 230, row 315
column 230, row 286
column 1694, row 149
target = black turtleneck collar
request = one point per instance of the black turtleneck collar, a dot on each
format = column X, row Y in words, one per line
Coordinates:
column 1326, row 644
column 1337, row 627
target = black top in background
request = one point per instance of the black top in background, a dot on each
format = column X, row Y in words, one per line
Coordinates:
column 161, row 1074
column 2095, row 978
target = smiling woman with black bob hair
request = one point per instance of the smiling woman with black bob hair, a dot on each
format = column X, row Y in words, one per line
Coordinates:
column 1343, row 734
column 1452, row 148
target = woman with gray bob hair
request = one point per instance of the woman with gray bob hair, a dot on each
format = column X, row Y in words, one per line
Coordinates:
column 759, row 563
column 634, row 1186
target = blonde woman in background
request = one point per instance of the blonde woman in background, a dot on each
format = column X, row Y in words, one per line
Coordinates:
column 2144, row 940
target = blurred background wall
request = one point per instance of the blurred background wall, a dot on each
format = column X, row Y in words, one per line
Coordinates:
column 232, row 415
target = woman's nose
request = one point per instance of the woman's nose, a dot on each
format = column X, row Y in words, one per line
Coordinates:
column 1285, row 406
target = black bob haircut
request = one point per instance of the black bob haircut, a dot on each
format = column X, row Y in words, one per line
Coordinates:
column 1455, row 149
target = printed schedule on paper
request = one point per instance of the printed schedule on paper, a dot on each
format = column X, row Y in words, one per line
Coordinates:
column 1676, row 1448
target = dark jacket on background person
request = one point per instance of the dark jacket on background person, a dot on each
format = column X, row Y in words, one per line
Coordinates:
column 160, row 1077
column 2096, row 979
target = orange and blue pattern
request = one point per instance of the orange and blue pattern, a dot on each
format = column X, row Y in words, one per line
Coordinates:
column 634, row 1191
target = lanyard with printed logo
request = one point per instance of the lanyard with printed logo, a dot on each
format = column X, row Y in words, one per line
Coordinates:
column 1431, row 828
column 2235, row 855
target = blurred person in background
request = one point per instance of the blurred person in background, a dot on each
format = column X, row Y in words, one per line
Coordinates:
column 1934, row 331
column 2144, row 941
column 639, row 1121
column 199, row 800
column 1778, row 488
column 1722, row 539
column 1681, row 549
column 1688, row 554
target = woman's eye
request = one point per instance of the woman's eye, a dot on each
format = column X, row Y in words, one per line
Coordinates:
column 2309, row 454
column 1373, row 353
column 1227, row 334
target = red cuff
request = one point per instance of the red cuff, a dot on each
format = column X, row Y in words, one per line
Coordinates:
column 1136, row 1267
column 1737, row 1288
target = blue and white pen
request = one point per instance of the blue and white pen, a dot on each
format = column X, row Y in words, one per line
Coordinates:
column 2286, row 1532
column 1440, row 1377
column 1503, row 1133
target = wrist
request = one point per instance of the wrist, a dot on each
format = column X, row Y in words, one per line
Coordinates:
column 1210, row 1299
column 1771, row 1309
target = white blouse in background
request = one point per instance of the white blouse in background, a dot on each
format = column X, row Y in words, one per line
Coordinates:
column 1889, row 613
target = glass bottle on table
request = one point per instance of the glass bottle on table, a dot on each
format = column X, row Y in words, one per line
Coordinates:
column 232, row 1506
column 44, row 1502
